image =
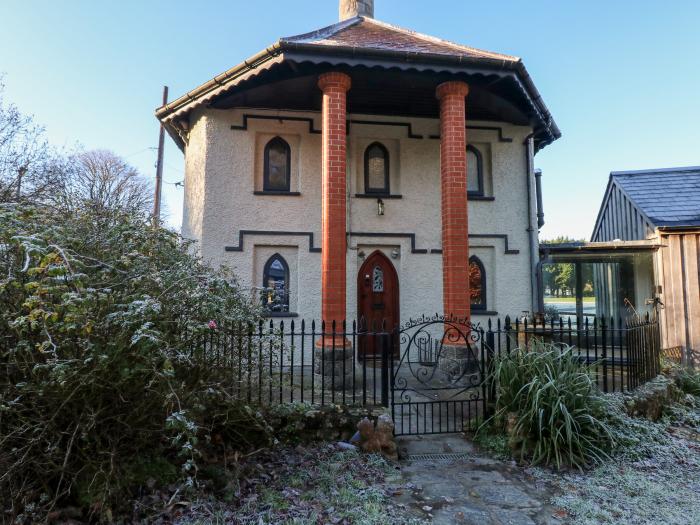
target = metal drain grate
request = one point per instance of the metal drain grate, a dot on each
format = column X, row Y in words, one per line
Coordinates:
column 437, row 457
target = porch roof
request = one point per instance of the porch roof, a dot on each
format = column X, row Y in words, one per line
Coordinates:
column 405, row 69
column 586, row 250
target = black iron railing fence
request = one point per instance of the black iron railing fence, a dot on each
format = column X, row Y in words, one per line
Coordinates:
column 344, row 363
column 622, row 353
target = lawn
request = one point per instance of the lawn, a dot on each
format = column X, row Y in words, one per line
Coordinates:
column 567, row 299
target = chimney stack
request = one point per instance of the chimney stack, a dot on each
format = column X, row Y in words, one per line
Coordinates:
column 352, row 8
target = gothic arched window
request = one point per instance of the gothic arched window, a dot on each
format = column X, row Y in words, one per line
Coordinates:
column 276, row 284
column 475, row 171
column 477, row 284
column 377, row 169
column 278, row 164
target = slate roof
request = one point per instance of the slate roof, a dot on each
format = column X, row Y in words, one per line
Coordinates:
column 369, row 34
column 668, row 197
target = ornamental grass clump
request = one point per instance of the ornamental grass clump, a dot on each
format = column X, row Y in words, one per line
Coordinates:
column 550, row 407
column 688, row 380
column 100, row 393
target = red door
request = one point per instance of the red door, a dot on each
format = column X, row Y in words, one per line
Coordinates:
column 377, row 304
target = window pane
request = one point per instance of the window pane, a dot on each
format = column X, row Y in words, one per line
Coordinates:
column 472, row 172
column 275, row 294
column 277, row 166
column 376, row 169
column 475, row 284
column 377, row 280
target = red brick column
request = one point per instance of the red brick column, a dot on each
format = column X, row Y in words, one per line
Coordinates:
column 333, row 228
column 453, row 175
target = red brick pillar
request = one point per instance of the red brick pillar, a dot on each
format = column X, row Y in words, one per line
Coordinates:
column 453, row 175
column 333, row 228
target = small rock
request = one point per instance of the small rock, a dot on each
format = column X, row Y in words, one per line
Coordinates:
column 427, row 508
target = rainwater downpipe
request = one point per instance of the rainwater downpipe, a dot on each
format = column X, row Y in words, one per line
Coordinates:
column 531, row 231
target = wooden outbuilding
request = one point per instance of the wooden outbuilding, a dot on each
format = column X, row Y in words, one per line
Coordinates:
column 662, row 205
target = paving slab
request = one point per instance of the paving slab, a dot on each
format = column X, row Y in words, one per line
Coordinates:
column 446, row 480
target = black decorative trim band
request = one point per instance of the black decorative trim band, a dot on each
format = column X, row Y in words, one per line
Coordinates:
column 243, row 233
column 312, row 128
column 409, row 236
column 246, row 117
column 503, row 236
column 498, row 129
column 407, row 125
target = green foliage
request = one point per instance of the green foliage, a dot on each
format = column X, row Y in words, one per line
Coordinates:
column 688, row 381
column 550, row 407
column 492, row 439
column 99, row 313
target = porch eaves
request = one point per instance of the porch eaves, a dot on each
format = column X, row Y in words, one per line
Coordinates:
column 366, row 42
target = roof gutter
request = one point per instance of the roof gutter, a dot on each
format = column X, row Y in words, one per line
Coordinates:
column 407, row 56
column 220, row 80
column 679, row 229
column 551, row 129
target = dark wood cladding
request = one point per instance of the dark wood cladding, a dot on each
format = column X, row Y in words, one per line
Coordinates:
column 619, row 218
column 380, row 92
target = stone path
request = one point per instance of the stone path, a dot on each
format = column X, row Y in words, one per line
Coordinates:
column 445, row 481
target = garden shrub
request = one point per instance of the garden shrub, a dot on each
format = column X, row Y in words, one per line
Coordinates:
column 550, row 407
column 99, row 389
column 688, row 380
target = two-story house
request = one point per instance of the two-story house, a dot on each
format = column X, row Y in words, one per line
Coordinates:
column 365, row 171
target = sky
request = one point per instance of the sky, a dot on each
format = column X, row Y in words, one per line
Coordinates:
column 621, row 77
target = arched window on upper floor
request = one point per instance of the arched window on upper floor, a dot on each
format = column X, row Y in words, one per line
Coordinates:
column 475, row 172
column 377, row 169
column 277, row 165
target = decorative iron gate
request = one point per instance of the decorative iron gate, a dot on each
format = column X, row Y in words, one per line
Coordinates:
column 438, row 377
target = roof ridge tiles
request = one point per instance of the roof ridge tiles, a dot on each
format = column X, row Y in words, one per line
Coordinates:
column 657, row 171
column 323, row 32
column 438, row 40
column 327, row 32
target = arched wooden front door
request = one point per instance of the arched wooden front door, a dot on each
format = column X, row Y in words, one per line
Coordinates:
column 377, row 303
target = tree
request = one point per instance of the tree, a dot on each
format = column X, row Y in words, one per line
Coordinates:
column 29, row 168
column 560, row 277
column 102, row 180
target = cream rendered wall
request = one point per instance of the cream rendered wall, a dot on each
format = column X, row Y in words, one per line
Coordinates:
column 226, row 164
column 195, row 159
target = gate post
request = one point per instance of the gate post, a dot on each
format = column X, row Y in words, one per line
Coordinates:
column 386, row 343
column 490, row 385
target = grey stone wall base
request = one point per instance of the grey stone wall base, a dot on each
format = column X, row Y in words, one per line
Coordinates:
column 334, row 367
column 455, row 361
column 294, row 423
